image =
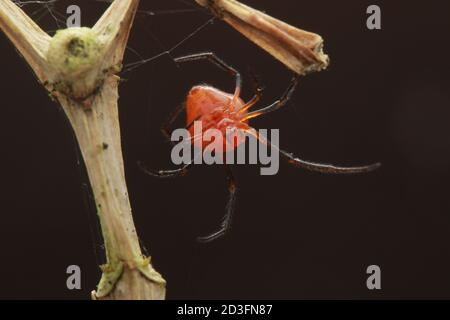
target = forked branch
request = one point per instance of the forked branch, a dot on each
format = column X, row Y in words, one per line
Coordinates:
column 78, row 66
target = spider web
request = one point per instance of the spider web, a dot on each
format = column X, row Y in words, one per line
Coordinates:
column 51, row 16
column 40, row 9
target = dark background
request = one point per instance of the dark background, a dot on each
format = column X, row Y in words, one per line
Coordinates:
column 295, row 235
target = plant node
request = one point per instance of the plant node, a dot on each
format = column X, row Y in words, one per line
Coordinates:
column 75, row 56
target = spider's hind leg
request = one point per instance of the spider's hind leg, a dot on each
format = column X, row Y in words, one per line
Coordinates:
column 326, row 168
column 165, row 173
column 166, row 125
column 165, row 129
column 226, row 221
column 313, row 166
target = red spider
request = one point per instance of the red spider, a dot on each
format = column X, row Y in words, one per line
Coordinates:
column 220, row 110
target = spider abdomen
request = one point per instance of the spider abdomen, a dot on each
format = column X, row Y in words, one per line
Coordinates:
column 215, row 109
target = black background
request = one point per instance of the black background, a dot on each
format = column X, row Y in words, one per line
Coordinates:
column 295, row 235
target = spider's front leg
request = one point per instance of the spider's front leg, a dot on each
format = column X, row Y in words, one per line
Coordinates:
column 277, row 104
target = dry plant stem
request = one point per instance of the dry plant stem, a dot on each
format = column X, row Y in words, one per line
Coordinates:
column 26, row 36
column 78, row 67
column 301, row 51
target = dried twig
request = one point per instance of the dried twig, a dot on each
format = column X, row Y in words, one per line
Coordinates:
column 78, row 67
column 299, row 50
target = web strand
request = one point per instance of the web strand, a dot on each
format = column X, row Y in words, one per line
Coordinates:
column 131, row 66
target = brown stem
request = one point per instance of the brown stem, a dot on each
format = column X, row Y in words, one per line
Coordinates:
column 300, row 50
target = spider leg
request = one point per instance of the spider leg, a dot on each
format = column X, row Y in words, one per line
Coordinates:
column 313, row 166
column 166, row 173
column 327, row 168
column 258, row 94
column 226, row 221
column 210, row 56
column 165, row 129
column 166, row 126
column 277, row 104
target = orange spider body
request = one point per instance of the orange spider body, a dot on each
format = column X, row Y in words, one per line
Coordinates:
column 216, row 110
